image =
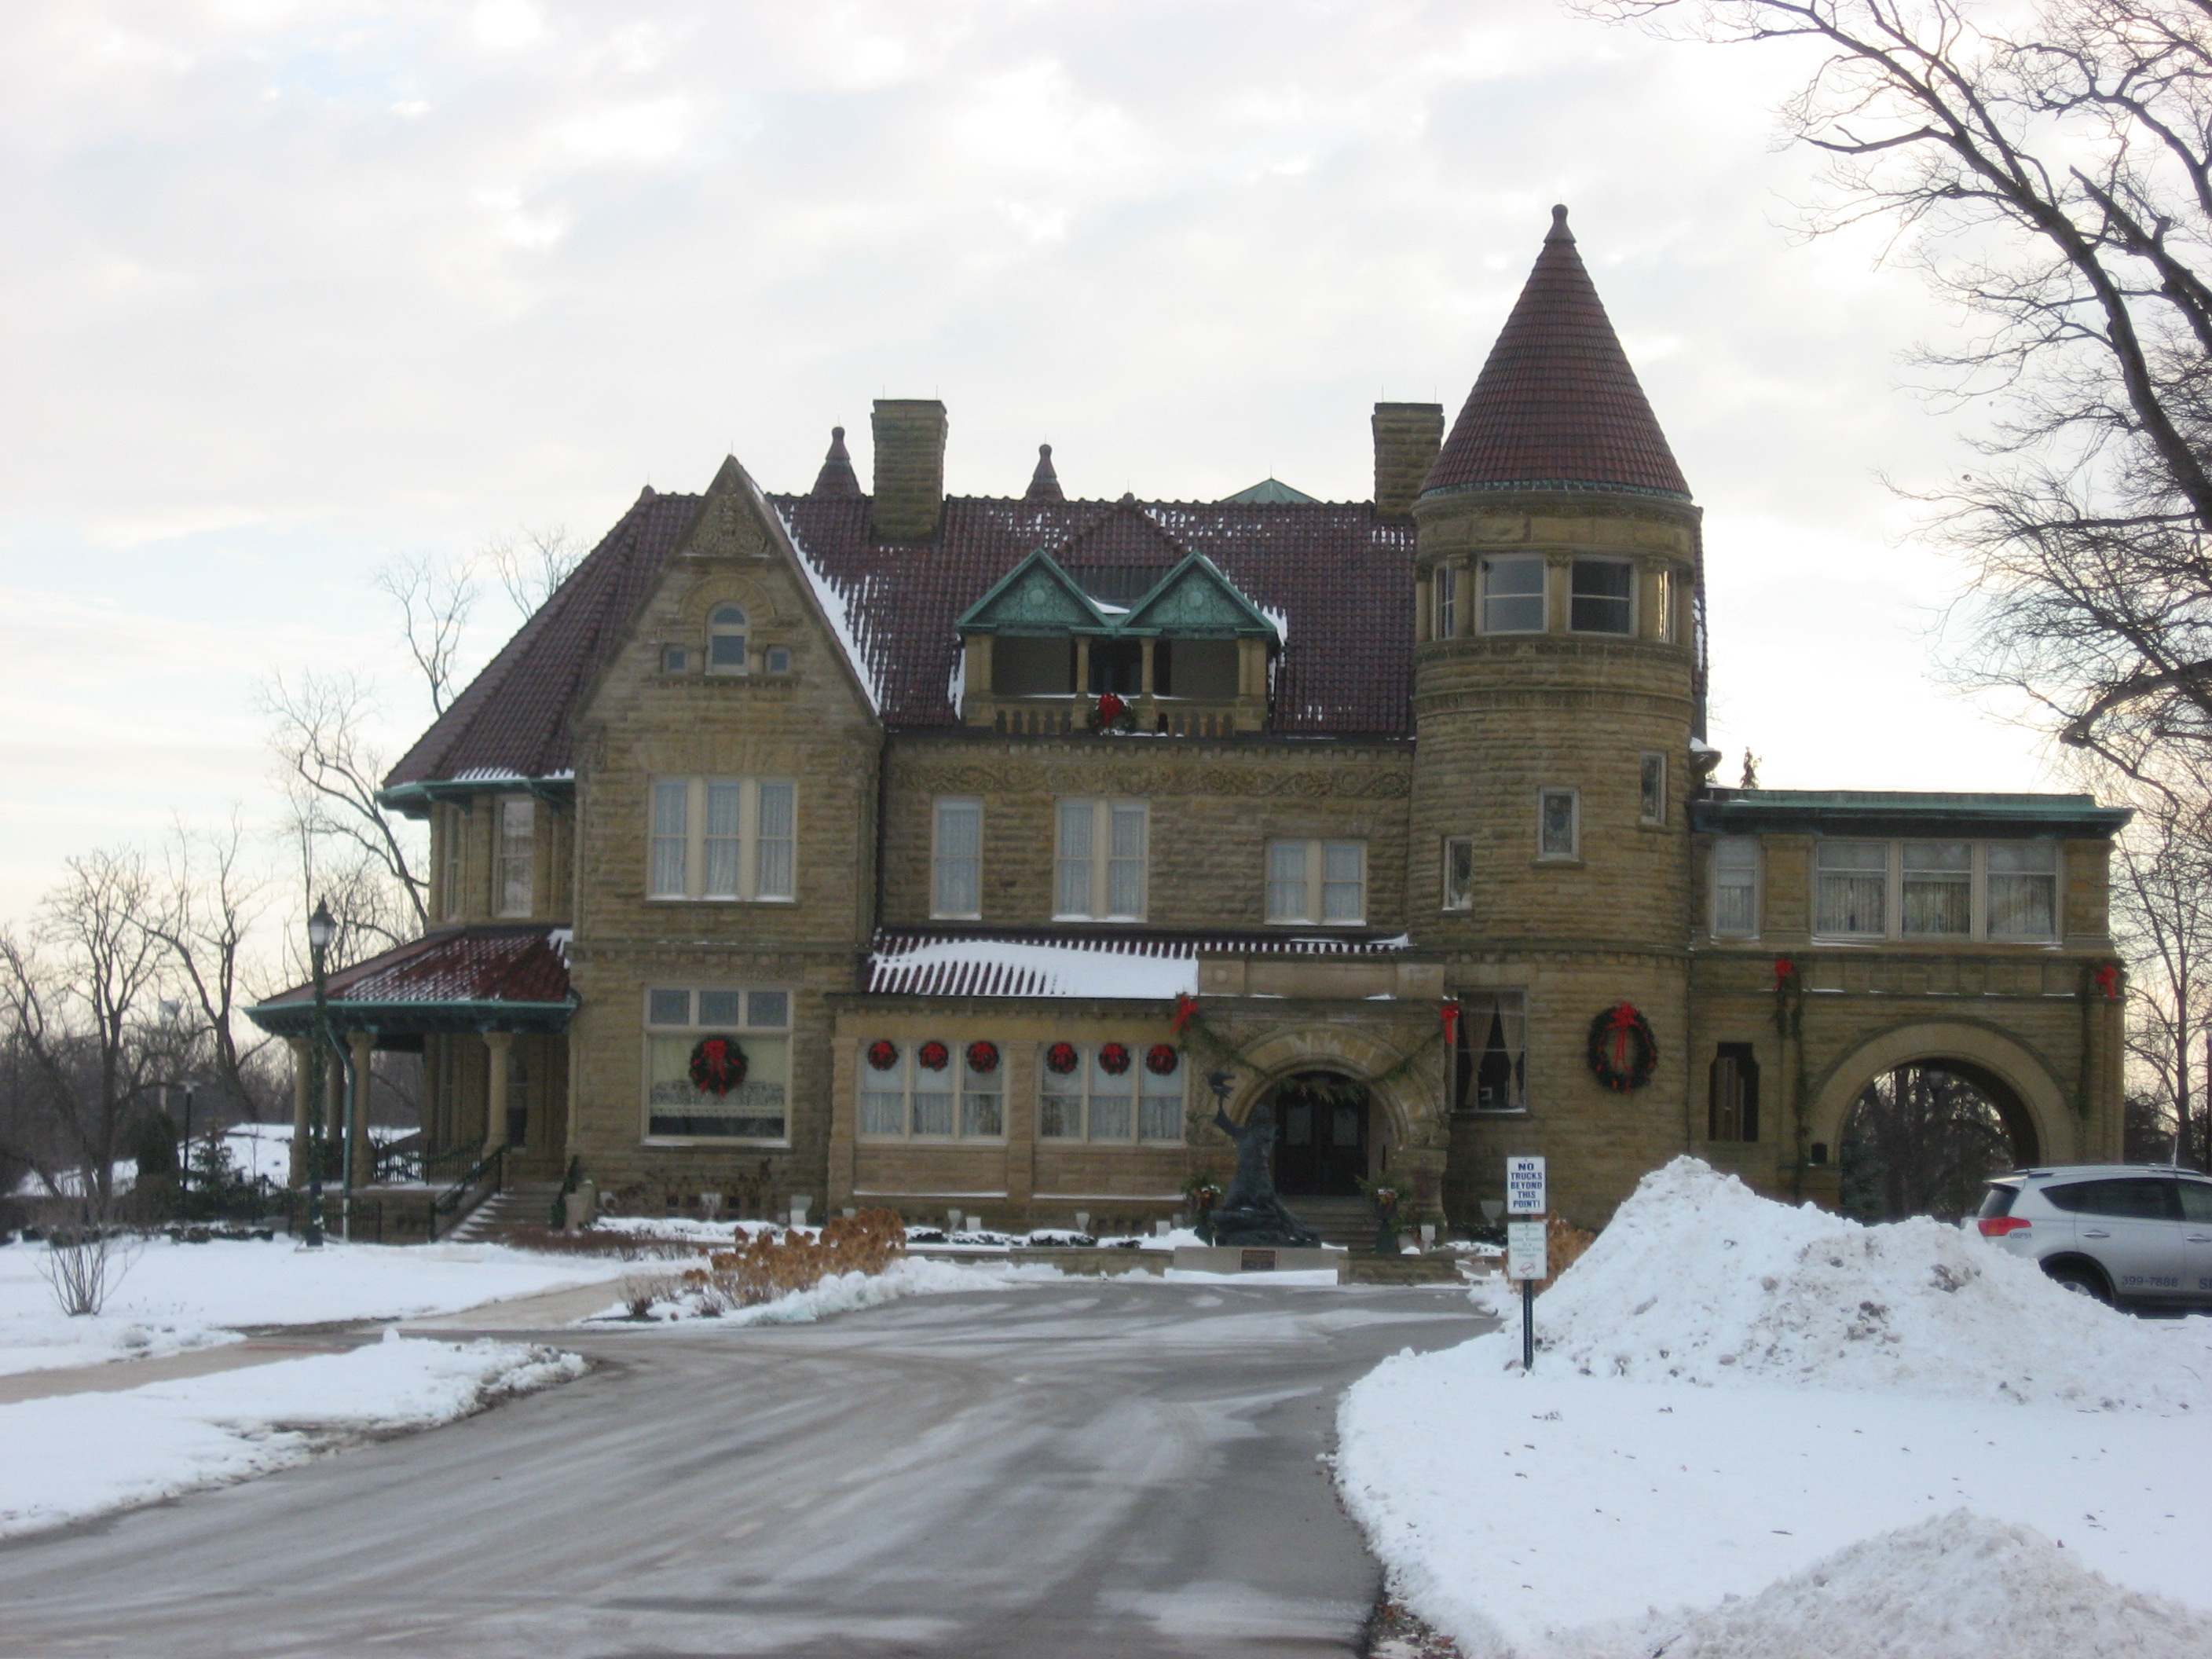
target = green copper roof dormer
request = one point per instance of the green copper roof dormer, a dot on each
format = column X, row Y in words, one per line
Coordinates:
column 1271, row 492
column 1035, row 597
column 1194, row 599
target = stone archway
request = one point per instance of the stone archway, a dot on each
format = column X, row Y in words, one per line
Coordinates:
column 1405, row 1117
column 2023, row 1087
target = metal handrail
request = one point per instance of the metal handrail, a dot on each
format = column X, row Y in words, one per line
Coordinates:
column 456, row 1198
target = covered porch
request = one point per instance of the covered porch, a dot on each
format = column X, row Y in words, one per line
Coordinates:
column 487, row 1008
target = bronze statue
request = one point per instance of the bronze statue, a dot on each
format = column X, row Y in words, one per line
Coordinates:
column 1250, row 1213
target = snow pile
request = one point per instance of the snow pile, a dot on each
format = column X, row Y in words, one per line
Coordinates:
column 80, row 1455
column 1699, row 1279
column 1957, row 1587
column 178, row 1296
column 841, row 1292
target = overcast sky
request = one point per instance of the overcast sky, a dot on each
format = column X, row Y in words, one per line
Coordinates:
column 293, row 289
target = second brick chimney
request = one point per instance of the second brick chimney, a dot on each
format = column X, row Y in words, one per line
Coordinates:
column 909, row 434
column 1406, row 439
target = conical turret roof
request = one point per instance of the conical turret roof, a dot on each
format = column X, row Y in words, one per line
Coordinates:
column 836, row 478
column 1044, row 483
column 1557, row 402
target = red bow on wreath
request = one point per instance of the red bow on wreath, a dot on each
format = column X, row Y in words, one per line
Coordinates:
column 2108, row 979
column 1161, row 1060
column 1784, row 971
column 1060, row 1058
column 933, row 1055
column 1110, row 708
column 982, row 1058
column 1449, row 1012
column 1623, row 1053
column 718, row 1066
column 1186, row 1010
column 1113, row 1059
column 883, row 1054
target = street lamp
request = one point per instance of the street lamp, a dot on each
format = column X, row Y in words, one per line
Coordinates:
column 320, row 931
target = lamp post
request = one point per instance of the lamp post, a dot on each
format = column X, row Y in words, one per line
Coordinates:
column 320, row 931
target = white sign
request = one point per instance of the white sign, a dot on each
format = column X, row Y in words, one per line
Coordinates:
column 1525, row 1187
column 1524, row 1250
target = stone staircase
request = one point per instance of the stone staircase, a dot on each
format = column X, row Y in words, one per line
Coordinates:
column 525, row 1204
column 1347, row 1221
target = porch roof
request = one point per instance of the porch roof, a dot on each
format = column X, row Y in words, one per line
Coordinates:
column 507, row 978
column 1144, row 964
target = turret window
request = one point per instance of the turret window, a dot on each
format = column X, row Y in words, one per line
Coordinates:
column 1447, row 592
column 1459, row 873
column 1651, row 788
column 1603, row 600
column 1513, row 596
column 1663, row 589
column 1558, row 823
column 725, row 640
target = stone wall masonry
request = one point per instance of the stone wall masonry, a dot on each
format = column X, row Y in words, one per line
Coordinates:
column 1214, row 808
column 1456, row 525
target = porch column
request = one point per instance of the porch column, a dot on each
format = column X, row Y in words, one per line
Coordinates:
column 497, row 1043
column 363, row 1043
column 302, row 1100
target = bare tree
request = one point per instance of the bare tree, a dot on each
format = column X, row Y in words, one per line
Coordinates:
column 532, row 564
column 2049, row 168
column 80, row 1002
column 349, row 847
column 1920, row 1140
column 435, row 601
column 207, row 905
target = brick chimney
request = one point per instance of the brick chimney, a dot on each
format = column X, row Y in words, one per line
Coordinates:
column 910, row 434
column 1406, row 439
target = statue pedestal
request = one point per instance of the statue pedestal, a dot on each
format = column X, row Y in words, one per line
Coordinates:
column 1256, row 1258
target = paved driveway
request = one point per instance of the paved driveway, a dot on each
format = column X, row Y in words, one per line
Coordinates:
column 1098, row 1468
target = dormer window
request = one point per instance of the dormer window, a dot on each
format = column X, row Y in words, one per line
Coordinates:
column 725, row 640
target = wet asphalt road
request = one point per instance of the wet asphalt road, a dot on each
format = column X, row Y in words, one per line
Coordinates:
column 1099, row 1470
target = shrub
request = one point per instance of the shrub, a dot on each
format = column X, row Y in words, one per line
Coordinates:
column 769, row 1265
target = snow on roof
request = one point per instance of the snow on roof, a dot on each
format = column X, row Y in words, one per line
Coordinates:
column 1001, row 968
column 835, row 607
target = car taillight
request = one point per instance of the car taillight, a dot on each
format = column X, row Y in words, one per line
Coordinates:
column 1997, row 1226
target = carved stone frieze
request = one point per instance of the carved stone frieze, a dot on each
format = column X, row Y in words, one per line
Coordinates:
column 1016, row 778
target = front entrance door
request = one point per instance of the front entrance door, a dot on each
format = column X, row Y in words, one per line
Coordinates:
column 1321, row 1140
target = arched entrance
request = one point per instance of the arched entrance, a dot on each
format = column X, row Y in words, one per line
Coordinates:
column 1922, row 1138
column 1323, row 1125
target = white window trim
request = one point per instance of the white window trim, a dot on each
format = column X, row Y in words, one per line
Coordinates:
column 500, row 858
column 1139, row 1077
column 1544, row 793
column 1757, row 889
column 742, row 631
column 694, row 842
column 1316, row 863
column 1542, row 596
column 1634, row 606
column 1101, row 859
column 788, row 1031
column 938, row 857
column 1643, row 816
column 1978, row 900
column 1443, row 875
column 960, row 1079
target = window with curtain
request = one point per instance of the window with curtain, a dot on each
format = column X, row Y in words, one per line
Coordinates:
column 1938, row 887
column 1317, row 881
column 723, row 838
column 2023, row 877
column 1099, row 864
column 956, row 872
column 1854, row 889
column 518, row 841
column 1736, row 887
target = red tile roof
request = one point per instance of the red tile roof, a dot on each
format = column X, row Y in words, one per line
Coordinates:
column 1557, row 402
column 512, row 721
column 524, row 962
column 1338, row 580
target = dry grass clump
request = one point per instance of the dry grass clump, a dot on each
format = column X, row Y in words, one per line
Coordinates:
column 767, row 1266
column 1563, row 1244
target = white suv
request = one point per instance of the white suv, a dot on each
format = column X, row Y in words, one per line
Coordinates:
column 2120, row 1232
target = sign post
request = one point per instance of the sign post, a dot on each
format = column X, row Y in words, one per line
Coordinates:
column 1525, row 1200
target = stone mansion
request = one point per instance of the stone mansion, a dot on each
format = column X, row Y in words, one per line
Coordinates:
column 883, row 847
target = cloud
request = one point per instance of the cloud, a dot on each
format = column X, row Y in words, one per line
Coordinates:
column 293, row 286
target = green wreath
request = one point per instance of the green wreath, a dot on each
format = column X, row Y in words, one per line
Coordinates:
column 1622, row 1052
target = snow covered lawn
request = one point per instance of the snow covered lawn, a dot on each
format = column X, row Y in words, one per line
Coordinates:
column 175, row 1297
column 81, row 1454
column 1729, row 1392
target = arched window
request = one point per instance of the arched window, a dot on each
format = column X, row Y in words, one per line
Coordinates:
column 725, row 640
